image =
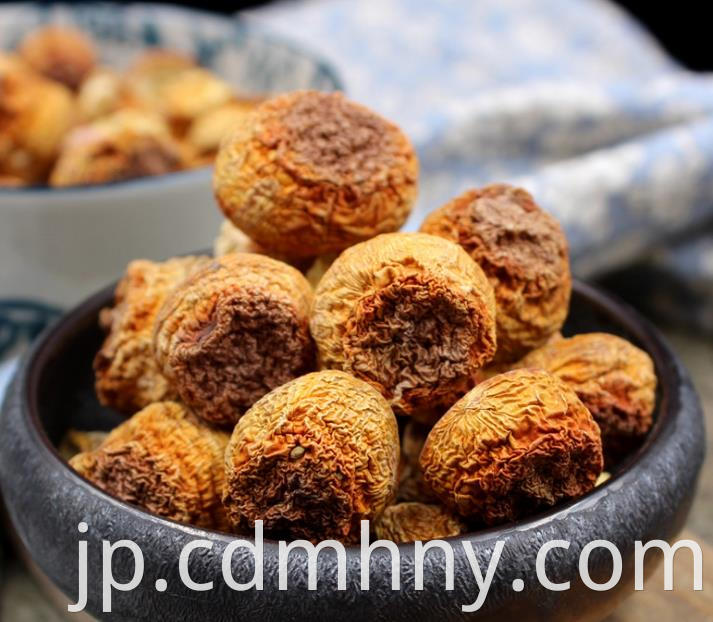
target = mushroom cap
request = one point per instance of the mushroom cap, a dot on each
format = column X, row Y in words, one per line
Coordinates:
column 125, row 145
column 411, row 314
column 524, row 253
column 61, row 53
column 313, row 458
column 127, row 376
column 163, row 460
column 312, row 173
column 516, row 443
column 234, row 331
column 614, row 379
column 411, row 521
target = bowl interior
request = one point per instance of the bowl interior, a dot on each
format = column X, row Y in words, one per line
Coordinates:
column 252, row 61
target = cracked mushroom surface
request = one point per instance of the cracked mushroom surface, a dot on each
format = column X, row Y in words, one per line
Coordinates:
column 524, row 253
column 164, row 460
column 35, row 114
column 518, row 442
column 408, row 522
column 314, row 173
column 614, row 379
column 127, row 377
column 60, row 53
column 234, row 331
column 313, row 458
column 125, row 145
column 410, row 313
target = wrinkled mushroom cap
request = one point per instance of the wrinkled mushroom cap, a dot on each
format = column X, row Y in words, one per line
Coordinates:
column 313, row 173
column 408, row 522
column 313, row 458
column 61, row 53
column 410, row 313
column 524, row 253
column 234, row 331
column 165, row 461
column 516, row 443
column 614, row 379
column 35, row 114
column 127, row 376
column 124, row 145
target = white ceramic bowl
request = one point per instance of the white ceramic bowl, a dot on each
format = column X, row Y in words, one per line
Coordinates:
column 57, row 245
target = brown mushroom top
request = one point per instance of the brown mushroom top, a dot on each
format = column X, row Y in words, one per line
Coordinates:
column 524, row 253
column 163, row 460
column 409, row 313
column 125, row 145
column 313, row 458
column 60, row 53
column 408, row 522
column 127, row 375
column 35, row 114
column 234, row 331
column 614, row 379
column 517, row 442
column 314, row 173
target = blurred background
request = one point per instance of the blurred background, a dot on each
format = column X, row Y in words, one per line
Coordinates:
column 602, row 109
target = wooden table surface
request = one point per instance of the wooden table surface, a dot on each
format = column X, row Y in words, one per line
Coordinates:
column 24, row 601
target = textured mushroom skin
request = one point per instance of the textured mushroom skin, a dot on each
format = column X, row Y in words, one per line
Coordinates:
column 408, row 522
column 34, row 116
column 313, row 458
column 409, row 313
column 524, row 253
column 614, row 379
column 313, row 173
column 516, row 443
column 230, row 239
column 127, row 376
column 233, row 332
column 125, row 145
column 412, row 486
column 59, row 53
column 165, row 461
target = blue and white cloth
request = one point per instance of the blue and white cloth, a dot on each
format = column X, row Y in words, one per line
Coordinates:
column 570, row 98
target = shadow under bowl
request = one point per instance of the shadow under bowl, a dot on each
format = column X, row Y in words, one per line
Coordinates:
column 648, row 497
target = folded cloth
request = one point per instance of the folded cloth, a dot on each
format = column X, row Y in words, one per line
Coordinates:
column 569, row 98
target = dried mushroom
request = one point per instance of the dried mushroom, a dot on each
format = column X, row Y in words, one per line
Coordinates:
column 524, row 253
column 516, row 443
column 101, row 94
column 233, row 332
column 190, row 94
column 164, row 460
column 614, row 379
column 127, row 375
column 408, row 522
column 314, row 173
column 59, row 53
column 125, row 145
column 151, row 71
column 313, row 458
column 78, row 441
column 409, row 313
column 230, row 239
column 412, row 486
column 208, row 130
column 35, row 114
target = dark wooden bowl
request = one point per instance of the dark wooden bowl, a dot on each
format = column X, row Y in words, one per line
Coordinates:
column 648, row 497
